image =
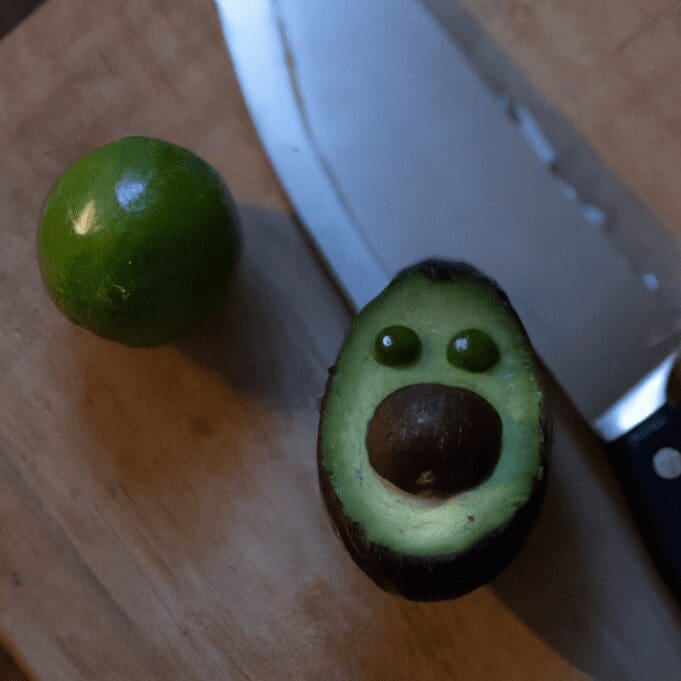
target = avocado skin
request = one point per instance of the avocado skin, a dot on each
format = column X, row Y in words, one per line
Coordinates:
column 432, row 578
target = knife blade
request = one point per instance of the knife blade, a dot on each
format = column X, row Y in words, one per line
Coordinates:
column 391, row 150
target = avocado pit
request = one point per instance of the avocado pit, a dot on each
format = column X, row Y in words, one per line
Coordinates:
column 433, row 439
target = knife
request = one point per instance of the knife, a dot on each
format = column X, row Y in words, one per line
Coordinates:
column 391, row 150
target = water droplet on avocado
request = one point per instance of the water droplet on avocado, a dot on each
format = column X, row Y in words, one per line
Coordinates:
column 472, row 350
column 396, row 346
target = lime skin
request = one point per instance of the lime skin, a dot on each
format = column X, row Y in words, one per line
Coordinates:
column 137, row 241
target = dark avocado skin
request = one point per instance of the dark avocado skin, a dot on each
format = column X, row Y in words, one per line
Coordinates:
column 431, row 578
column 137, row 241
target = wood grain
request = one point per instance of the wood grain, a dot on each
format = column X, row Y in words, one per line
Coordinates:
column 159, row 508
column 612, row 68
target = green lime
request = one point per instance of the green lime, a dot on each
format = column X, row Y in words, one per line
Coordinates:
column 137, row 240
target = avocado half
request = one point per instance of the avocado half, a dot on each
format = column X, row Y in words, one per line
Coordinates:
column 433, row 439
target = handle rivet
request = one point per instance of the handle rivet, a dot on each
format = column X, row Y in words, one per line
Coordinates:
column 667, row 463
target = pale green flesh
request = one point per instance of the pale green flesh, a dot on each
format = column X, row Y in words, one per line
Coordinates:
column 434, row 311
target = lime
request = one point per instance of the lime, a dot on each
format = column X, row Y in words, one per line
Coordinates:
column 137, row 240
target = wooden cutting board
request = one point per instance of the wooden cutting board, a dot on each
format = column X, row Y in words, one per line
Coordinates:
column 159, row 511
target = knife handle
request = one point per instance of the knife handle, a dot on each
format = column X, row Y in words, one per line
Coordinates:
column 647, row 461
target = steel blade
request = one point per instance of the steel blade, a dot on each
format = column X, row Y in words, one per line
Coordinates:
column 392, row 150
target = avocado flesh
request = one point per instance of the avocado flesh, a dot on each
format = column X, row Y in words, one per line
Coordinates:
column 435, row 306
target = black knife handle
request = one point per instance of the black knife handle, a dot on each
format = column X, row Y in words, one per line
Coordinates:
column 647, row 461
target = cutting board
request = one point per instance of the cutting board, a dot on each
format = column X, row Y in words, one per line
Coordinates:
column 159, row 511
